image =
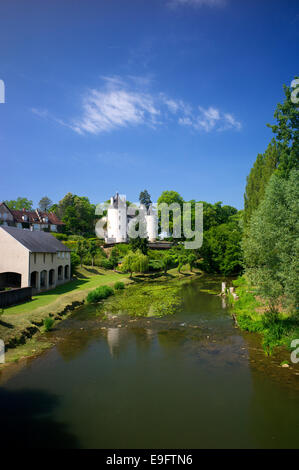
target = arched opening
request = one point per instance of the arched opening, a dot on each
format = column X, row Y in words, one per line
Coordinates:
column 60, row 273
column 66, row 272
column 43, row 279
column 10, row 279
column 51, row 277
column 33, row 279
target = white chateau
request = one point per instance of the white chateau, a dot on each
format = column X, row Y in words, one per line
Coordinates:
column 120, row 216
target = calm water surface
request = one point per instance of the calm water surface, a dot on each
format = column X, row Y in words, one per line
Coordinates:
column 190, row 380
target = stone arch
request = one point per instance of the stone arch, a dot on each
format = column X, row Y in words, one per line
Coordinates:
column 66, row 271
column 60, row 273
column 34, row 279
column 51, row 277
column 43, row 279
column 10, row 279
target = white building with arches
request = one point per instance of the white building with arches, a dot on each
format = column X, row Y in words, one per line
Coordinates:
column 32, row 259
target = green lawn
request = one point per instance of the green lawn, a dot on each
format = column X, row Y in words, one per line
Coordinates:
column 87, row 278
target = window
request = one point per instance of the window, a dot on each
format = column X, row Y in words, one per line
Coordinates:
column 52, row 257
column 62, row 254
column 34, row 257
column 44, row 258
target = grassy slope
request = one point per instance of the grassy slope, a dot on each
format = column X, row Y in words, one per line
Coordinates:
column 17, row 318
column 276, row 330
column 87, row 278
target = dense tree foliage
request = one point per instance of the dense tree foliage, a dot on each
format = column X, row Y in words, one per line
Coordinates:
column 258, row 178
column 145, row 198
column 221, row 250
column 135, row 262
column 139, row 243
column 77, row 213
column 286, row 132
column 282, row 154
column 271, row 246
column 20, row 203
column 45, row 203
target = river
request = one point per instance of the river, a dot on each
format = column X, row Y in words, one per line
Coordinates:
column 188, row 380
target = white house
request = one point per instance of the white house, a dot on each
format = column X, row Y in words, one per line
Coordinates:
column 32, row 258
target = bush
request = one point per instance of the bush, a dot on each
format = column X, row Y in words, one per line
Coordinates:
column 48, row 323
column 119, row 285
column 106, row 264
column 87, row 260
column 99, row 293
column 59, row 236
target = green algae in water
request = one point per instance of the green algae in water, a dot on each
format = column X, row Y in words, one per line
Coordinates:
column 150, row 299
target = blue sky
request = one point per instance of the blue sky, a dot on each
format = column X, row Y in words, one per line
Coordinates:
column 105, row 96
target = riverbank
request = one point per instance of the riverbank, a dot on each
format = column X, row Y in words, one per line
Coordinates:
column 277, row 330
column 18, row 324
column 21, row 326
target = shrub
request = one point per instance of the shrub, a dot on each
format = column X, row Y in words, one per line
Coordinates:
column 59, row 236
column 119, row 285
column 48, row 323
column 99, row 293
column 106, row 264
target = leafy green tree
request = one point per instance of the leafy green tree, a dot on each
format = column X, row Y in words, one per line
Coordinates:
column 169, row 197
column 191, row 260
column 93, row 250
column 75, row 261
column 82, row 250
column 271, row 247
column 20, row 203
column 135, row 262
column 77, row 213
column 139, row 243
column 286, row 132
column 258, row 179
column 45, row 203
column 145, row 198
column 221, row 250
column 167, row 263
column 182, row 260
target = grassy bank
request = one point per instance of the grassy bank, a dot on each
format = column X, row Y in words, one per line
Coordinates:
column 19, row 323
column 22, row 326
column 276, row 329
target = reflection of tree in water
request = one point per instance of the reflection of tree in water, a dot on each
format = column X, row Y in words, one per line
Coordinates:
column 274, row 406
column 26, row 421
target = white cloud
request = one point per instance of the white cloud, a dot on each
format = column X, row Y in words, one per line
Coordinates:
column 121, row 103
column 115, row 106
column 197, row 3
column 210, row 119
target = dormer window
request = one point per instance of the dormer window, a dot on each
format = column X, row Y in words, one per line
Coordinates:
column 25, row 218
column 45, row 219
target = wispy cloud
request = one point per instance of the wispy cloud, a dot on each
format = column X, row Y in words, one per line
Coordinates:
column 196, row 3
column 122, row 103
column 210, row 119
